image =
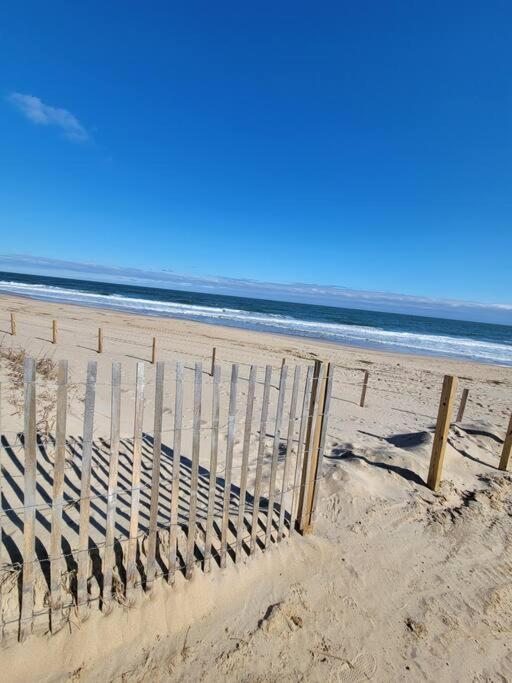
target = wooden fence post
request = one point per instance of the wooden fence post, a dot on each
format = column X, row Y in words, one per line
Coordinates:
column 442, row 428
column 315, row 451
column 29, row 501
column 100, row 340
column 13, row 324
column 214, row 353
column 306, row 465
column 365, row 387
column 153, row 351
column 462, row 406
column 54, row 331
column 507, row 447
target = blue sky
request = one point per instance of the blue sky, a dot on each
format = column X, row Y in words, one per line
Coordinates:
column 357, row 145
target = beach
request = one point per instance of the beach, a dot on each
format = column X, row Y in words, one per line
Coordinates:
column 396, row 582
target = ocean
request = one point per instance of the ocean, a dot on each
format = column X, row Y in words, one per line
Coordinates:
column 482, row 342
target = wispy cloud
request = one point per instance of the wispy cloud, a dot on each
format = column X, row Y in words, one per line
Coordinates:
column 36, row 111
column 328, row 295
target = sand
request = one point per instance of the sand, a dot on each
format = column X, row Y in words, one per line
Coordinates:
column 396, row 582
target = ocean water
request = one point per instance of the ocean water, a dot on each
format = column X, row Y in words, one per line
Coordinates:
column 385, row 331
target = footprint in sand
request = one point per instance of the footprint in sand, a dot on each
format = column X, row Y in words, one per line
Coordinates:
column 362, row 668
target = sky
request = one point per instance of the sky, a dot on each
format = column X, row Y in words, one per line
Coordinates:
column 362, row 146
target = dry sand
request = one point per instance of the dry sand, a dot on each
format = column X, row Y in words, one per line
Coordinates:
column 396, row 583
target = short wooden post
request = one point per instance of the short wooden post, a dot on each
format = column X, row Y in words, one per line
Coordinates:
column 13, row 324
column 442, row 428
column 214, row 353
column 462, row 406
column 507, row 447
column 153, row 351
column 54, row 331
column 100, row 340
column 365, row 387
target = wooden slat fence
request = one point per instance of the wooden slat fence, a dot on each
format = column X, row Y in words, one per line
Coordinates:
column 99, row 520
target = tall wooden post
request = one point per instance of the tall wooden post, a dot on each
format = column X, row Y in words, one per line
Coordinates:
column 214, row 353
column 153, row 351
column 13, row 324
column 100, row 340
column 507, row 447
column 54, row 331
column 307, row 465
column 441, row 435
column 365, row 387
column 462, row 406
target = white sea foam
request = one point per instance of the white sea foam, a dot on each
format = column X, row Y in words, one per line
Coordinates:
column 337, row 332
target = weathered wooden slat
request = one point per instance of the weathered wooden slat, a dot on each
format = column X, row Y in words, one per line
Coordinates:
column 29, row 500
column 194, row 473
column 176, row 470
column 155, row 475
column 13, row 324
column 300, row 447
column 289, row 446
column 275, row 454
column 131, row 554
column 442, row 428
column 245, row 460
column 212, row 483
column 261, row 454
column 85, row 488
column 115, row 420
column 54, row 331
column 58, row 498
column 229, row 464
column 100, row 340
column 324, row 410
